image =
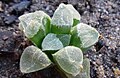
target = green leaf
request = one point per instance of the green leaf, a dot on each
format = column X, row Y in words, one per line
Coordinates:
column 35, row 26
column 38, row 38
column 55, row 42
column 33, row 59
column 69, row 59
column 76, row 22
column 85, row 35
column 85, row 73
column 62, row 20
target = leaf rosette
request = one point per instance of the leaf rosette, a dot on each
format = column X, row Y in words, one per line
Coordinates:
column 59, row 40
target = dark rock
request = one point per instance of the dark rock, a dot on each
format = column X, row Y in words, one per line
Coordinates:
column 5, row 38
column 7, row 1
column 10, row 19
column 20, row 6
column 100, row 44
column 1, row 19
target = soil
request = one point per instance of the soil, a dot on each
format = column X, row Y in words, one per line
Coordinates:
column 104, row 56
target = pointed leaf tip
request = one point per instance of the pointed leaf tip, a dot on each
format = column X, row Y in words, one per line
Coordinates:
column 62, row 20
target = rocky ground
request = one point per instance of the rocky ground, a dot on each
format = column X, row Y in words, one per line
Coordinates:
column 104, row 15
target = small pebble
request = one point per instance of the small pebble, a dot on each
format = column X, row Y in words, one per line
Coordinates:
column 1, row 6
column 100, row 72
column 116, row 71
column 20, row 6
column 10, row 19
column 5, row 37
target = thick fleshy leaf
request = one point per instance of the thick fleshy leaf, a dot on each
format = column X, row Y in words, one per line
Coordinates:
column 64, row 38
column 85, row 73
column 76, row 22
column 51, row 42
column 35, row 24
column 38, row 38
column 64, row 17
column 69, row 59
column 55, row 42
column 33, row 59
column 84, row 36
column 62, row 20
column 75, row 13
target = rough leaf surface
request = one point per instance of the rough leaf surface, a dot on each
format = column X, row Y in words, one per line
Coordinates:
column 74, row 12
column 31, row 23
column 33, row 59
column 85, row 73
column 51, row 42
column 88, row 35
column 55, row 41
column 84, row 36
column 62, row 16
column 64, row 38
column 69, row 59
column 62, row 20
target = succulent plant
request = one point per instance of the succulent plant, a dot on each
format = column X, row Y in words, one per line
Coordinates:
column 59, row 40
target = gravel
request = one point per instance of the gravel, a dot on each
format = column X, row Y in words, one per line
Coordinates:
column 104, row 15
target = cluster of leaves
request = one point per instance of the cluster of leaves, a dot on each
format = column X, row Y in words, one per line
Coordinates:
column 60, row 40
